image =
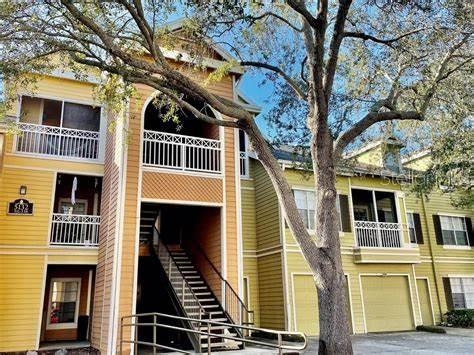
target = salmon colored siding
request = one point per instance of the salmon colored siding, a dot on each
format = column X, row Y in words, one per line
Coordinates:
column 172, row 186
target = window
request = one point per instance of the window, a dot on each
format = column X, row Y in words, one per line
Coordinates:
column 60, row 114
column 411, row 228
column 462, row 290
column 454, row 230
column 64, row 303
column 305, row 202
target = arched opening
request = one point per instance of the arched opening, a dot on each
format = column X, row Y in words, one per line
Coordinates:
column 178, row 140
column 183, row 122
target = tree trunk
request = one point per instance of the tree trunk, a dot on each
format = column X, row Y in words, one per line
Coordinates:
column 323, row 256
column 334, row 337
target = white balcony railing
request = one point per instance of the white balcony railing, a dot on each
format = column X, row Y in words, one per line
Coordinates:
column 174, row 151
column 378, row 234
column 57, row 141
column 75, row 230
column 244, row 164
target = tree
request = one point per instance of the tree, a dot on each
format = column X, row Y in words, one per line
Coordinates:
column 337, row 68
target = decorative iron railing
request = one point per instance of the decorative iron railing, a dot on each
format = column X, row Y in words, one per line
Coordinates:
column 57, row 141
column 175, row 151
column 378, row 234
column 75, row 230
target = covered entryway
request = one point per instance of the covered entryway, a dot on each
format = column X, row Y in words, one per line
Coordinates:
column 387, row 303
column 306, row 304
column 425, row 301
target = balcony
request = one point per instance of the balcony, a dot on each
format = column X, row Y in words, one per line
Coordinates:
column 59, row 129
column 75, row 220
column 378, row 234
column 180, row 152
column 75, row 230
column 57, row 141
column 181, row 143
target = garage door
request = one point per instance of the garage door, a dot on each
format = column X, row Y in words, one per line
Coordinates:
column 425, row 302
column 387, row 303
column 306, row 305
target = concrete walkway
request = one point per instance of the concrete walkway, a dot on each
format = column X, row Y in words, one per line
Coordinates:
column 456, row 341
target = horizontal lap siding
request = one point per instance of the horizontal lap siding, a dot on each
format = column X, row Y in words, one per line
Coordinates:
column 272, row 306
column 21, row 285
column 34, row 229
column 251, row 272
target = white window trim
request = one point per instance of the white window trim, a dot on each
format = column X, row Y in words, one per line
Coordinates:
column 462, row 287
column 307, row 209
column 70, row 325
column 455, row 246
column 414, row 228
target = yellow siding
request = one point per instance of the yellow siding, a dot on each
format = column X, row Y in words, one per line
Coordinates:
column 21, row 284
column 251, row 273
column 34, row 229
column 266, row 209
column 272, row 305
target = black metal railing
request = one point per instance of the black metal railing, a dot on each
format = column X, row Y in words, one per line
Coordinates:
column 232, row 304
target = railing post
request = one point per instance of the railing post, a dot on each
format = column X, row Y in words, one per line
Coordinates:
column 182, row 290
column 209, row 335
column 379, row 234
column 135, row 339
column 183, row 156
column 154, row 334
column 280, row 350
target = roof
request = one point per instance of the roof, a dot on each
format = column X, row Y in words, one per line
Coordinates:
column 291, row 156
column 374, row 144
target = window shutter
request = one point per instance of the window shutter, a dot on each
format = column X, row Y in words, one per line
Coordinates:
column 470, row 233
column 448, row 294
column 418, row 231
column 437, row 226
column 345, row 215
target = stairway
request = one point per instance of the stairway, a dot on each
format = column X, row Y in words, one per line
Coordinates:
column 185, row 278
column 206, row 298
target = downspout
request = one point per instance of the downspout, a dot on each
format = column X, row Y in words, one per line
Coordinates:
column 433, row 264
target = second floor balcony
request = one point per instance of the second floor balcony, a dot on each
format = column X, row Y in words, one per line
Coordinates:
column 182, row 143
column 59, row 129
column 376, row 219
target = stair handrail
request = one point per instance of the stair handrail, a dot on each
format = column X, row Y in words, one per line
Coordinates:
column 133, row 321
column 171, row 264
column 232, row 303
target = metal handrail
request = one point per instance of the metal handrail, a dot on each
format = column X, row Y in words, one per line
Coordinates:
column 135, row 323
column 227, row 286
column 185, row 282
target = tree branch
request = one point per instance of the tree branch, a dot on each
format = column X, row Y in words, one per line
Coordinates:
column 371, row 118
column 299, row 91
column 301, row 8
column 388, row 42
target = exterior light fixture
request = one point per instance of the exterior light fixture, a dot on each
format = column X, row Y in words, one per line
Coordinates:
column 23, row 189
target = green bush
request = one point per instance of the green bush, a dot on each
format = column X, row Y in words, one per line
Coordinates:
column 463, row 318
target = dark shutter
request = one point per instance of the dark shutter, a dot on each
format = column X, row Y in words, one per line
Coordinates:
column 437, row 227
column 345, row 215
column 470, row 233
column 447, row 293
column 418, row 231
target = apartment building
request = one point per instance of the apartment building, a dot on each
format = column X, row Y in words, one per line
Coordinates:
column 103, row 215
column 407, row 260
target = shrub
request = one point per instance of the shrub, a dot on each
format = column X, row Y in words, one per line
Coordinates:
column 460, row 318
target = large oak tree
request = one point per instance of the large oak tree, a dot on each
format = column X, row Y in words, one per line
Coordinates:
column 336, row 67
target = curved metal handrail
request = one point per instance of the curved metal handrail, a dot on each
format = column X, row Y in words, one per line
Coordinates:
column 279, row 333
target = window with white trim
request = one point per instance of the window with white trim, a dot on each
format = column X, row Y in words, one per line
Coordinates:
column 64, row 302
column 454, row 230
column 305, row 202
column 462, row 290
column 411, row 227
